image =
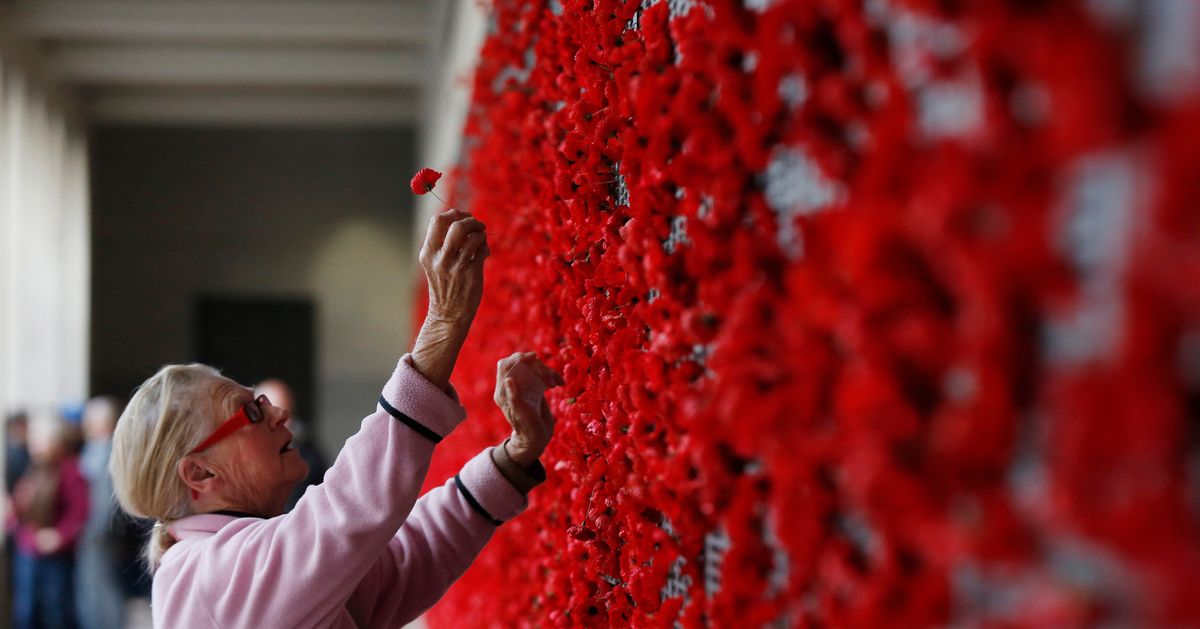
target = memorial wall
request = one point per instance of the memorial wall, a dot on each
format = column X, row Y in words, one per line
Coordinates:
column 878, row 313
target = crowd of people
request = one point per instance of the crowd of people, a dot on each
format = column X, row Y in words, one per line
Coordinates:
column 74, row 559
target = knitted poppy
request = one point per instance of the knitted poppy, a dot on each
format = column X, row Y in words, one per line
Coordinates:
column 424, row 180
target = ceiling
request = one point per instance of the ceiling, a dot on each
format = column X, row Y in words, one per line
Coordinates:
column 317, row 62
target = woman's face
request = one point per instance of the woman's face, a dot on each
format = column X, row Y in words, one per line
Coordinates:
column 46, row 444
column 259, row 462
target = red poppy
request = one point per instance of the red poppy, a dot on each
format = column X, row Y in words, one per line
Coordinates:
column 424, row 180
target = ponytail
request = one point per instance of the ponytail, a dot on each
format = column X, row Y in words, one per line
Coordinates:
column 160, row 540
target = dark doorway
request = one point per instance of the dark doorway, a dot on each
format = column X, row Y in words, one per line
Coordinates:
column 251, row 339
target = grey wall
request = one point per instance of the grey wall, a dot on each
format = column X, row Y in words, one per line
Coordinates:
column 324, row 214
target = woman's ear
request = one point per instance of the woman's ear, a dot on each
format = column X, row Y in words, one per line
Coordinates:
column 197, row 475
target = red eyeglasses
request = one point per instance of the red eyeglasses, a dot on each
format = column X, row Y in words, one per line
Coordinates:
column 250, row 413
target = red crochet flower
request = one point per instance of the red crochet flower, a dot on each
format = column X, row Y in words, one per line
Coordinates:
column 424, row 180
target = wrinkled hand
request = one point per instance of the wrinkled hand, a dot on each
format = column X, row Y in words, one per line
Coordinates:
column 453, row 254
column 452, row 257
column 521, row 383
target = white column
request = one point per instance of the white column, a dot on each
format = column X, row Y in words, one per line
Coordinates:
column 44, row 251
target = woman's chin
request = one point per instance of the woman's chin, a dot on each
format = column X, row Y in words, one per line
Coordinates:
column 297, row 467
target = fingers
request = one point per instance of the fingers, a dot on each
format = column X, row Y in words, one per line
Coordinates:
column 456, row 236
column 481, row 254
column 548, row 375
column 520, row 410
column 516, row 386
column 507, row 396
column 528, row 416
column 550, row 378
column 439, row 225
column 503, row 367
column 499, row 382
column 451, row 239
column 475, row 246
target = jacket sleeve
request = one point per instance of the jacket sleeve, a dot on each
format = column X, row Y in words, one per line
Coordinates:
column 301, row 568
column 438, row 542
column 73, row 497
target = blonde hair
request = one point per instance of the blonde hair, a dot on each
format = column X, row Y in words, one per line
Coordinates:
column 168, row 415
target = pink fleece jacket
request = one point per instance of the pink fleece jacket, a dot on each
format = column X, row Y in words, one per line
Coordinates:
column 358, row 550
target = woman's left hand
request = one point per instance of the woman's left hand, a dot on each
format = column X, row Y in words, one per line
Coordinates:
column 521, row 383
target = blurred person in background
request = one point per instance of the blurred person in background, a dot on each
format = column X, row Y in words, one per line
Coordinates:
column 49, row 509
column 16, row 452
column 100, row 596
column 16, row 461
column 72, row 416
column 280, row 395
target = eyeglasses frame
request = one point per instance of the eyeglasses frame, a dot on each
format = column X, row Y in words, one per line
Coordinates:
column 250, row 413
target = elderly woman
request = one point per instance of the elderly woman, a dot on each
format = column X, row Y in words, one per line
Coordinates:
column 214, row 466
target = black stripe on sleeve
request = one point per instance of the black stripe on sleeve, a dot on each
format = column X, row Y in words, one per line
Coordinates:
column 475, row 503
column 408, row 421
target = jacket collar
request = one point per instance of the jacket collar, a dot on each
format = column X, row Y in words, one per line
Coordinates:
column 205, row 524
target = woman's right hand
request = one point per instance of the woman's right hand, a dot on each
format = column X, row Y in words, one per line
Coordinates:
column 452, row 257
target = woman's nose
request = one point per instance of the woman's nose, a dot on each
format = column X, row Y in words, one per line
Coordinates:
column 278, row 416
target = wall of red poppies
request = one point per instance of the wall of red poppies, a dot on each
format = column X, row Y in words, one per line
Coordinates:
column 871, row 312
